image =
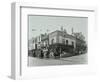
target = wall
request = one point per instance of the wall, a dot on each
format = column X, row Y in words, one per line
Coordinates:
column 69, row 40
column 5, row 39
column 58, row 38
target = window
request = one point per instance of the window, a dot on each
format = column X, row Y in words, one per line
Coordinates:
column 46, row 43
column 63, row 41
column 33, row 41
column 73, row 44
column 66, row 42
column 52, row 41
column 39, row 38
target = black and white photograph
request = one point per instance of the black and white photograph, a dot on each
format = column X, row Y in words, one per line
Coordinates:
column 57, row 40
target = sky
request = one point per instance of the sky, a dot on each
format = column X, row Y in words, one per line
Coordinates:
column 39, row 24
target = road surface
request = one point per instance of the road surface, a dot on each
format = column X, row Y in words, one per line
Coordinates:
column 79, row 59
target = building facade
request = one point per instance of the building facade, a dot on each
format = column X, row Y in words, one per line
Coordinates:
column 59, row 39
column 41, row 41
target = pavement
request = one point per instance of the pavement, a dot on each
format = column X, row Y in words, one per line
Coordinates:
column 79, row 59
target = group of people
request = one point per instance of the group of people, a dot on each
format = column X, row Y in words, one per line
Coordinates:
column 46, row 53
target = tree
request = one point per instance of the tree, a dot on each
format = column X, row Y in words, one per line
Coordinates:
column 79, row 36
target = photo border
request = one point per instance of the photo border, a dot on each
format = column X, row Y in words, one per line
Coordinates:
column 16, row 71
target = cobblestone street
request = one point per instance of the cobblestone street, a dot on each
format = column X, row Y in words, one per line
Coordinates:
column 79, row 59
